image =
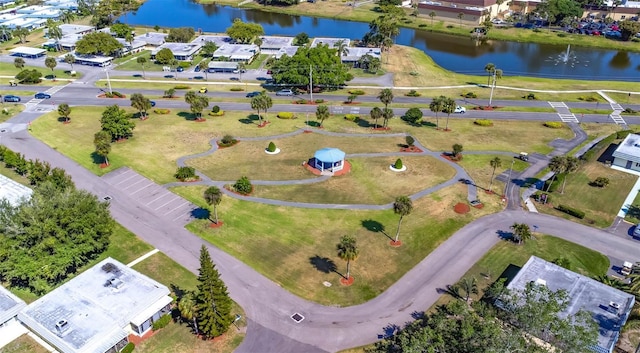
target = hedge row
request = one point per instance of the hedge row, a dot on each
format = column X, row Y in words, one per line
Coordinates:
column 570, row 211
column 161, row 322
column 181, row 87
column 161, row 111
column 595, row 150
column 128, row 348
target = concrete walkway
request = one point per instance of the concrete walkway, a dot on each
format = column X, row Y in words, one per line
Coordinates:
column 142, row 258
column 628, row 201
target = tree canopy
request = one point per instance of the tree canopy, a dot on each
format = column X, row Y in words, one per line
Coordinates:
column 242, row 32
column 212, row 299
column 48, row 237
column 328, row 70
column 164, row 56
column 180, row 35
column 120, row 29
column 557, row 10
column 98, row 43
column 117, row 122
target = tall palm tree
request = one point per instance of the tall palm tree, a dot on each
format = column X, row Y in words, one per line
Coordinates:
column 489, row 68
column 70, row 59
column 54, row 32
column 5, row 33
column 204, row 67
column 213, row 197
column 376, row 113
column 613, row 282
column 322, row 112
column 266, row 102
column 432, row 14
column 436, row 106
column 142, row 61
column 448, row 106
column 556, row 165
column 469, row 286
column 188, row 309
column 386, row 97
column 256, row 104
column 496, row 162
column 521, row 232
column 348, row 251
column 571, row 164
column 460, row 17
column 386, row 115
column 242, row 67
column 341, row 48
column 402, row 207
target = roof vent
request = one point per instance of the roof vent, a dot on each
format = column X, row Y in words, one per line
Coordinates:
column 62, row 326
column 116, row 283
column 541, row 282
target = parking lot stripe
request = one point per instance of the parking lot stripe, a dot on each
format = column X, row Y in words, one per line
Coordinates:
column 158, row 198
column 173, row 210
column 187, row 214
column 142, row 180
column 120, row 182
column 175, row 198
column 142, row 188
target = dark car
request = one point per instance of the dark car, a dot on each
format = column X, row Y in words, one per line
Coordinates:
column 153, row 104
column 10, row 98
column 253, row 94
column 197, row 69
column 180, row 69
column 42, row 95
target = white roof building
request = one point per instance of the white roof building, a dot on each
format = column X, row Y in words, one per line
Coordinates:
column 13, row 191
column 95, row 311
column 152, row 38
column 6, row 17
column 273, row 43
column 289, row 51
column 33, row 9
column 181, row 51
column 237, row 52
column 68, row 29
column 331, row 42
column 10, row 305
column 219, row 40
column 25, row 22
column 354, row 54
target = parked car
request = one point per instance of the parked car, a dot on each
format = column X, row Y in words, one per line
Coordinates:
column 636, row 231
column 197, row 69
column 180, row 69
column 203, row 90
column 269, row 72
column 11, row 98
column 285, row 92
column 460, row 110
column 42, row 95
column 253, row 94
column 153, row 104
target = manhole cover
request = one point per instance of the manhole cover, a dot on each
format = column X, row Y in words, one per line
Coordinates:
column 107, row 198
column 297, row 317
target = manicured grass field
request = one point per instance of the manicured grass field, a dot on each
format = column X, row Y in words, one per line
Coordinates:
column 479, row 169
column 296, row 247
column 249, row 159
column 23, row 344
column 370, row 182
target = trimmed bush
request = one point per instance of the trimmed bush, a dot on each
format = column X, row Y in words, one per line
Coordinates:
column 413, row 115
column 185, row 173
column 571, row 211
column 181, row 87
column 422, row 25
column 470, row 95
column 114, row 94
column 319, row 101
column 227, row 140
column 561, row 35
column 161, row 111
column 600, row 182
column 357, row 92
column 236, row 89
column 553, row 124
column 352, row 117
column 483, row 122
column 128, row 348
column 215, row 109
column 629, row 111
column 413, row 93
column 285, row 115
column 301, row 101
column 588, row 98
column 243, row 186
column 220, row 113
column 409, row 140
column 271, row 147
column 398, row 164
column 162, row 322
column 530, row 97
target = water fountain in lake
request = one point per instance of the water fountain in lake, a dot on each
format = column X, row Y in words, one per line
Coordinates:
column 567, row 58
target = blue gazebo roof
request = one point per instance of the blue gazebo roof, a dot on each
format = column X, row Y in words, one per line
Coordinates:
column 329, row 155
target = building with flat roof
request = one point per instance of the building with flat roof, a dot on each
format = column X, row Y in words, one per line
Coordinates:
column 10, row 16
column 627, row 154
column 331, row 42
column 68, row 29
column 608, row 306
column 67, row 5
column 289, row 51
column 10, row 305
column 50, row 13
column 131, row 48
column 271, row 44
column 33, row 9
column 353, row 54
column 97, row 310
column 237, row 52
column 90, row 60
column 13, row 191
column 153, row 39
column 222, row 66
column 28, row 52
column 25, row 22
column 181, row 51
column 218, row 39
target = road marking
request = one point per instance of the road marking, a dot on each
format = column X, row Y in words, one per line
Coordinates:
column 181, row 205
column 176, row 197
column 158, row 198
column 142, row 258
column 558, row 105
column 617, row 119
column 142, row 180
column 125, row 179
column 188, row 214
column 142, row 188
column 568, row 118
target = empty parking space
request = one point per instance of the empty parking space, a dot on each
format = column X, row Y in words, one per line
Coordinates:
column 161, row 201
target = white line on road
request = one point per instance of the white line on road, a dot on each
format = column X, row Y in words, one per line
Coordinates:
column 175, row 198
column 181, row 205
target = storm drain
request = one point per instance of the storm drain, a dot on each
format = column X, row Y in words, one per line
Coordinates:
column 297, row 317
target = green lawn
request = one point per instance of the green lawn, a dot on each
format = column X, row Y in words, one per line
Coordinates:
column 23, row 344
column 370, row 182
column 168, row 272
column 634, row 217
column 479, row 169
column 296, row 247
column 11, row 174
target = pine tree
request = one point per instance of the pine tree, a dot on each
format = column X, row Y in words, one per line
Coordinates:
column 213, row 302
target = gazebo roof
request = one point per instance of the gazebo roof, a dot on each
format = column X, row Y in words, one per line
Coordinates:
column 329, row 155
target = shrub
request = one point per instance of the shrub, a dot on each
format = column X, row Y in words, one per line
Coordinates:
column 114, row 94
column 319, row 101
column 413, row 93
column 483, row 122
column 422, row 25
column 629, row 111
column 301, row 101
column 352, row 117
column 128, row 348
column 161, row 322
column 181, row 87
column 553, row 124
column 600, row 182
column 470, row 95
column 537, row 30
column 557, row 181
column 449, row 26
column 161, row 111
column 588, row 98
column 623, row 134
column 236, row 89
column 562, row 35
column 285, row 115
column 219, row 113
column 185, row 173
column 271, row 147
column 398, row 164
column 570, row 211
column 227, row 140
column 413, row 115
column 215, row 109
column 593, row 152
column 243, row 186
column 409, row 140
column 357, row 92
column 29, row 76
column 530, row 97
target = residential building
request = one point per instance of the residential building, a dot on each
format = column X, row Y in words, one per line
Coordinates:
column 10, row 305
column 218, row 39
column 25, row 22
column 131, row 48
column 181, row 51
column 272, row 44
column 222, row 66
column 331, row 42
column 69, row 29
column 289, row 51
column 153, row 39
column 28, row 52
column 90, row 60
column 13, row 191
column 237, row 52
column 627, row 154
column 353, row 54
column 96, row 311
column 608, row 306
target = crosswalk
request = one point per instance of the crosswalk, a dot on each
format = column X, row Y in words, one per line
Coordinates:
column 615, row 115
column 32, row 104
column 565, row 115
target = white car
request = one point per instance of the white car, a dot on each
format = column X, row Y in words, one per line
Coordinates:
column 460, row 110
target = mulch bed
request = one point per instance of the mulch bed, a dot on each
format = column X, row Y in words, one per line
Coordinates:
column 307, row 132
column 380, row 128
column 227, row 146
column 395, row 244
column 104, row 165
column 67, row 122
column 264, row 123
column 479, row 206
column 121, row 140
column 347, row 281
column 237, row 193
column 413, row 149
column 461, row 208
column 305, row 102
column 201, row 120
column 486, row 108
column 138, row 339
column 450, row 158
column 350, row 103
column 489, row 192
column 114, row 97
column 216, row 225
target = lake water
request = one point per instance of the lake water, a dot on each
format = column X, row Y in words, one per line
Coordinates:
column 454, row 53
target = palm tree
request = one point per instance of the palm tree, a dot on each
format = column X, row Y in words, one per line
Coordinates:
column 347, row 251
column 209, row 48
column 448, row 106
column 386, row 97
column 213, row 196
column 341, row 47
column 613, row 282
column 5, row 33
column 322, row 112
column 432, row 14
column 64, row 110
column 496, row 162
column 521, row 232
column 188, row 309
column 489, row 68
column 387, row 43
column 143, row 62
column 266, row 102
column 70, row 59
column 402, row 207
column 140, row 103
column 634, row 285
column 436, row 106
column 571, row 164
column 256, row 104
column 556, row 165
column 204, row 67
column 54, row 32
column 376, row 113
column 386, row 115
column 242, row 67
column 51, row 63
column 460, row 17
column 469, row 286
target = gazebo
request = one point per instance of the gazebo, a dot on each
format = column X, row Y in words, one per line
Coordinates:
column 328, row 159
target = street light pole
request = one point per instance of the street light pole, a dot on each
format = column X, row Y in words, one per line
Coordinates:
column 106, row 71
column 493, row 86
column 311, row 83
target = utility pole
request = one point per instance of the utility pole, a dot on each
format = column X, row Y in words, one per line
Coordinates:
column 493, row 86
column 311, row 83
column 106, row 71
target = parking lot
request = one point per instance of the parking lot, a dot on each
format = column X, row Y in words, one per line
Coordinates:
column 152, row 195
